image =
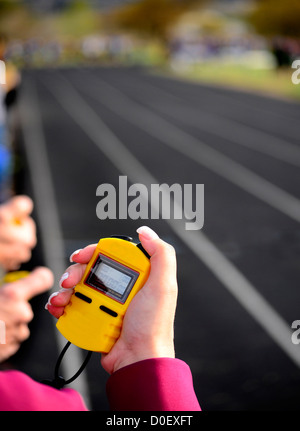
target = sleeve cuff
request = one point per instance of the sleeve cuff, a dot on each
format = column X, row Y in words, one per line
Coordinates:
column 158, row 384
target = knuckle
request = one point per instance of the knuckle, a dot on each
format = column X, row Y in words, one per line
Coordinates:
column 9, row 292
column 171, row 250
column 168, row 250
column 26, row 313
column 24, row 332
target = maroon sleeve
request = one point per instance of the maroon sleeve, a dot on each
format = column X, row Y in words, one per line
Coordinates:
column 159, row 384
column 18, row 392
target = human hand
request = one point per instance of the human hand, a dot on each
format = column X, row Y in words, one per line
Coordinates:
column 17, row 232
column 147, row 330
column 16, row 312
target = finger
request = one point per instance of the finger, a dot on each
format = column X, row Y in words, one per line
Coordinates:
column 26, row 314
column 57, row 302
column 17, row 207
column 14, row 312
column 17, row 334
column 19, row 231
column 22, row 205
column 83, row 255
column 60, row 298
column 26, row 232
column 7, row 350
column 38, row 281
column 22, row 333
column 69, row 279
column 15, row 253
column 72, row 276
column 9, row 264
column 55, row 311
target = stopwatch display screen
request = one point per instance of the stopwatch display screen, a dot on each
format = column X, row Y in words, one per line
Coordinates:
column 112, row 278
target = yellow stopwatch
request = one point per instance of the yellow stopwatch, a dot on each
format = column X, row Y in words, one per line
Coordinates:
column 12, row 276
column 117, row 271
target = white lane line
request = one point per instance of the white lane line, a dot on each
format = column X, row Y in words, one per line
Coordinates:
column 205, row 250
column 263, row 116
column 47, row 213
column 240, row 134
column 191, row 147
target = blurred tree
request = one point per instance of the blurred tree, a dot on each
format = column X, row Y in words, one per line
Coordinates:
column 277, row 18
column 76, row 20
column 8, row 6
column 151, row 18
column 16, row 20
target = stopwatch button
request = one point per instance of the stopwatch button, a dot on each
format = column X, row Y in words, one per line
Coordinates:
column 124, row 237
column 83, row 297
column 108, row 311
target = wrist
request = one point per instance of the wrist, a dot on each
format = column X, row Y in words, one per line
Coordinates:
column 132, row 357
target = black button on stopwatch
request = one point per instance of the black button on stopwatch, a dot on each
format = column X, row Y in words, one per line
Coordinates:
column 129, row 238
column 83, row 297
column 108, row 311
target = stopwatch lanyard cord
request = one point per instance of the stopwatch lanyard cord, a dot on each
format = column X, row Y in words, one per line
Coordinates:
column 59, row 382
column 56, row 371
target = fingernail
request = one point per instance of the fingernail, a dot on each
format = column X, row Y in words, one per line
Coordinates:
column 49, row 299
column 67, row 289
column 74, row 253
column 147, row 232
column 63, row 278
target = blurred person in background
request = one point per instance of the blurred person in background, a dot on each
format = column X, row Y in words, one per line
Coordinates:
column 15, row 309
column 17, row 239
column 5, row 151
column 17, row 232
column 8, row 95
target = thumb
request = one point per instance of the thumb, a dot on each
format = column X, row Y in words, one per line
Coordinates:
column 38, row 281
column 162, row 258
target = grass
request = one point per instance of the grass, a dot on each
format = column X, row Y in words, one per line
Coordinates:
column 271, row 82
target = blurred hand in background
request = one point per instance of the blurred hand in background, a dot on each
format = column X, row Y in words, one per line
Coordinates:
column 15, row 310
column 17, row 232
